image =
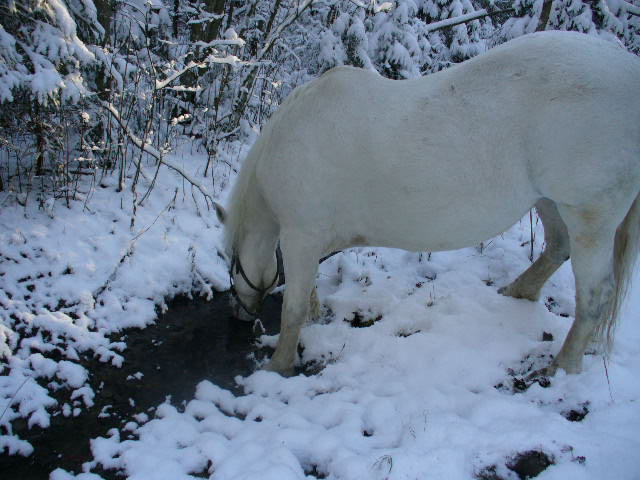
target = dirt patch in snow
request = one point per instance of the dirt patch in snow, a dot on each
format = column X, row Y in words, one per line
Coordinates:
column 194, row 340
column 525, row 465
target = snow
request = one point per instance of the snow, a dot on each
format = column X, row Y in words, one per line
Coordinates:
column 388, row 406
column 411, row 396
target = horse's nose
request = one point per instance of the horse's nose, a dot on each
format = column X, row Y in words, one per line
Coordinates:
column 240, row 313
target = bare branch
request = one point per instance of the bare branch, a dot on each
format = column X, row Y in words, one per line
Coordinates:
column 268, row 45
column 112, row 109
column 249, row 80
column 154, row 152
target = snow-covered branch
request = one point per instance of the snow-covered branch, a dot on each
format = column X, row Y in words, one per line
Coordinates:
column 229, row 59
column 238, row 42
column 629, row 8
column 373, row 5
column 209, row 17
column 468, row 17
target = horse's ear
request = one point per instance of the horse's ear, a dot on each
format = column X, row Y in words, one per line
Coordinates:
column 220, row 212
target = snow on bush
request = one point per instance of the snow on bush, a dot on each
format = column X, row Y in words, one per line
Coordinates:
column 38, row 42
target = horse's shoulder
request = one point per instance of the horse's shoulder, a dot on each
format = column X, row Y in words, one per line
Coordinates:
column 345, row 76
column 333, row 80
column 341, row 70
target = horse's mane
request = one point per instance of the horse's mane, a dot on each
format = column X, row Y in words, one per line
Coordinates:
column 245, row 182
column 237, row 202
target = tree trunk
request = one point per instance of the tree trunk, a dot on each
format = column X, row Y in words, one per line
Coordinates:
column 544, row 15
column 41, row 142
column 174, row 20
column 105, row 11
column 205, row 32
column 213, row 29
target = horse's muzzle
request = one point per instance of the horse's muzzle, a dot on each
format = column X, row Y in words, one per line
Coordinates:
column 240, row 312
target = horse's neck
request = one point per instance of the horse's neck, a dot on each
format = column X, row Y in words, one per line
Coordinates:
column 257, row 243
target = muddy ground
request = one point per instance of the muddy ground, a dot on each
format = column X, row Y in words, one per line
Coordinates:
column 194, row 340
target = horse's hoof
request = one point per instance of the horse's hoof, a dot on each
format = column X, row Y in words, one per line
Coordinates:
column 551, row 370
column 514, row 292
column 509, row 291
column 541, row 376
column 285, row 371
column 570, row 368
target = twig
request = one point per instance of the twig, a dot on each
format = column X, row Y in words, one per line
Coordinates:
column 165, row 209
column 606, row 372
column 14, row 396
column 155, row 153
column 112, row 109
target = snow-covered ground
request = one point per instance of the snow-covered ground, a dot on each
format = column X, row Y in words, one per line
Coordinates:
column 71, row 277
column 424, row 391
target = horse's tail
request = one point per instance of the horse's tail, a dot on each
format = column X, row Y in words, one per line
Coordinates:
column 625, row 252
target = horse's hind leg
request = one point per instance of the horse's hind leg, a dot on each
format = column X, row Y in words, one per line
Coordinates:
column 300, row 265
column 556, row 252
column 592, row 245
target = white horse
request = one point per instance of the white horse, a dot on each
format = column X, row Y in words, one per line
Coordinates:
column 550, row 120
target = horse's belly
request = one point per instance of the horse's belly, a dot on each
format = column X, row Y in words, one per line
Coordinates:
column 399, row 200
column 448, row 229
column 452, row 204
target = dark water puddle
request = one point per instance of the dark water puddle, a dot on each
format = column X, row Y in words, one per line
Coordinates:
column 194, row 340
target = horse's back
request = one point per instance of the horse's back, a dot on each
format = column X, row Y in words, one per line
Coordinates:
column 552, row 115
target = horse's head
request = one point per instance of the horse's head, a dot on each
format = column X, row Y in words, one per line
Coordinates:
column 248, row 291
column 254, row 272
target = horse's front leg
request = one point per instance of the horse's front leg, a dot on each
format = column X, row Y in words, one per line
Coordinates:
column 300, row 265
